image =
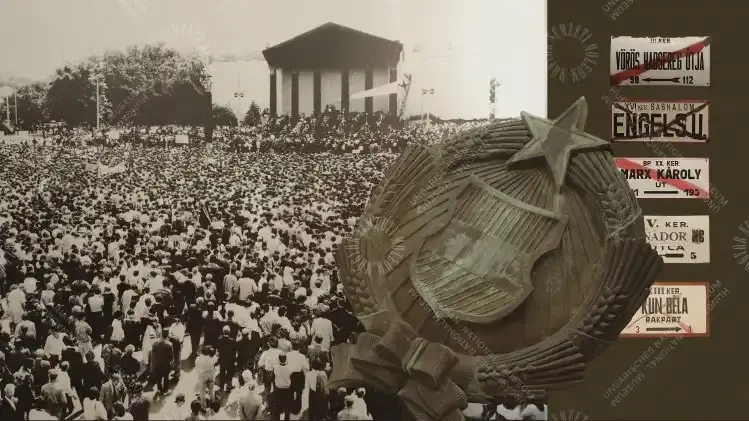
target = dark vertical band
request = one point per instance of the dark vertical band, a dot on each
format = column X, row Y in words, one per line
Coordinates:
column 393, row 105
column 273, row 93
column 295, row 94
column 317, row 92
column 368, row 84
column 344, row 90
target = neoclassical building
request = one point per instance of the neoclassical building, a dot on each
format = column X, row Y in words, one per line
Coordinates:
column 326, row 65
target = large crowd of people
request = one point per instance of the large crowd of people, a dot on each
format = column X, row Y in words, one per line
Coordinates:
column 331, row 132
column 215, row 263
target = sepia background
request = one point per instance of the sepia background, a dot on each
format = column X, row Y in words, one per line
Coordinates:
column 695, row 378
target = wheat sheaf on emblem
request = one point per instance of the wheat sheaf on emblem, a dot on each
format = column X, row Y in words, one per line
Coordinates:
column 569, row 415
column 374, row 248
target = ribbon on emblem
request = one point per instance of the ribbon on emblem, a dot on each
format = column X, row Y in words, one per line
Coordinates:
column 429, row 377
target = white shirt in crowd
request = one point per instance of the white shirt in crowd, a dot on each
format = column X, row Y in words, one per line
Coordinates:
column 282, row 376
column 96, row 303
column 247, row 288
column 94, row 410
column 205, row 366
column 29, row 285
column 297, row 362
column 54, row 345
column 177, row 332
column 323, row 328
column 269, row 358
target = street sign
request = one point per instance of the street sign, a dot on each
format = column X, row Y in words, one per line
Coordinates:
column 667, row 178
column 660, row 121
column 680, row 239
column 683, row 61
column 672, row 309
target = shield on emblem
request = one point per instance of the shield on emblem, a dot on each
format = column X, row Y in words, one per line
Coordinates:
column 477, row 268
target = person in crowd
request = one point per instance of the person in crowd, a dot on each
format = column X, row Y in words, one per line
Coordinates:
column 55, row 398
column 9, row 409
column 140, row 408
column 161, row 359
column 180, row 411
column 249, row 403
column 176, row 335
column 227, row 358
column 205, row 367
column 316, row 383
column 195, row 411
column 39, row 413
column 120, row 413
column 282, row 397
column 349, row 413
column 112, row 392
column 93, row 408
column 299, row 366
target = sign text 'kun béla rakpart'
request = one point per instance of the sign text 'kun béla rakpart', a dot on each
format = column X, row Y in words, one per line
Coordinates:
column 672, row 309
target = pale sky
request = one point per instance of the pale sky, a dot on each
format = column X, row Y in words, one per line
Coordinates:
column 467, row 42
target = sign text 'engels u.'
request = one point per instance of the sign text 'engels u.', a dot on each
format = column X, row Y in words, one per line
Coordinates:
column 660, row 121
column 672, row 309
column 682, row 61
column 679, row 239
column 667, row 178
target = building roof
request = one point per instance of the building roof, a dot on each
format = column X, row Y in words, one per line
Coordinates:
column 333, row 46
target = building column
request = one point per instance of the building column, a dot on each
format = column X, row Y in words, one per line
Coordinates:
column 317, row 92
column 344, row 90
column 368, row 84
column 294, row 94
column 273, row 93
column 393, row 105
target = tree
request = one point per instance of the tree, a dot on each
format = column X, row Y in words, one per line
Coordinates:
column 223, row 116
column 31, row 105
column 155, row 85
column 71, row 96
column 252, row 116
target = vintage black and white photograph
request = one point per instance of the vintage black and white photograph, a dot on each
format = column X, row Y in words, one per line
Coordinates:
column 177, row 175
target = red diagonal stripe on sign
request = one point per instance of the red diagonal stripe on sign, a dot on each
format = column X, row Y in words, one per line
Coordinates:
column 620, row 77
column 682, row 185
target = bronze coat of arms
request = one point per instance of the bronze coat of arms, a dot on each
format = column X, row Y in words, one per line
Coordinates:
column 492, row 267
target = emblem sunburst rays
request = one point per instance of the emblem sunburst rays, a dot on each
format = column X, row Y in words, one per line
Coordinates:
column 374, row 248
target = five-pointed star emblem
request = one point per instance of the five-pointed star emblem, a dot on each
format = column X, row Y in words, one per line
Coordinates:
column 556, row 140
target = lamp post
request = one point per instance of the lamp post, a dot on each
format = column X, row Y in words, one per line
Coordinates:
column 7, row 109
column 493, row 84
column 95, row 79
column 238, row 95
column 425, row 92
column 5, row 92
